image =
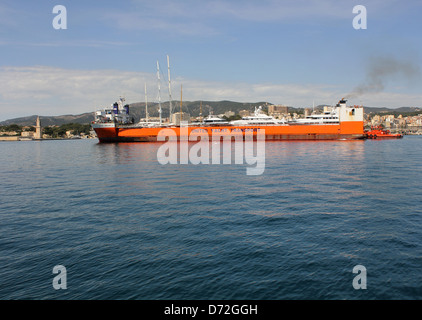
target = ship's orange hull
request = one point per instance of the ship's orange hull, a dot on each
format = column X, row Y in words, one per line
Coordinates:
column 342, row 130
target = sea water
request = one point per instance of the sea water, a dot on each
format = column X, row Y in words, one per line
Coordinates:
column 125, row 226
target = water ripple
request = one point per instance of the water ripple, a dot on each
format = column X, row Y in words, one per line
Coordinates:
column 127, row 227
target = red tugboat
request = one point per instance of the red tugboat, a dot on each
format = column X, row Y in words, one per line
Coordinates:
column 380, row 133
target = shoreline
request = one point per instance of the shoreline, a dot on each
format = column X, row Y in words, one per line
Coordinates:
column 18, row 138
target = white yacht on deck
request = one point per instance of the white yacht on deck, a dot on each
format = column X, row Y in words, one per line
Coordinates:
column 259, row 118
column 214, row 120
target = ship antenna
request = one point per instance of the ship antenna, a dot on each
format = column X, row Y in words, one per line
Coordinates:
column 159, row 91
column 170, row 99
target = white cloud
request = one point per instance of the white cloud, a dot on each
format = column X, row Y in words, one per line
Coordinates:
column 50, row 91
column 54, row 91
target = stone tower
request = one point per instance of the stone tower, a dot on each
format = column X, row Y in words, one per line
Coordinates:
column 38, row 129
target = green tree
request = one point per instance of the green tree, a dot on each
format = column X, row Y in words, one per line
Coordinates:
column 31, row 129
column 13, row 127
column 231, row 118
column 48, row 131
column 60, row 132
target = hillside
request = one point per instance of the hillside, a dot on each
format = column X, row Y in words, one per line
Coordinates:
column 51, row 120
column 192, row 107
column 401, row 110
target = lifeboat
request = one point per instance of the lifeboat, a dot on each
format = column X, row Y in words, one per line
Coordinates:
column 380, row 133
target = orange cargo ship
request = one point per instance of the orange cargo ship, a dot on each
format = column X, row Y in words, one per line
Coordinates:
column 339, row 122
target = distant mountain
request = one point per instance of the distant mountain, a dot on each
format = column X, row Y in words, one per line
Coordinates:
column 401, row 110
column 192, row 107
column 382, row 110
column 51, row 120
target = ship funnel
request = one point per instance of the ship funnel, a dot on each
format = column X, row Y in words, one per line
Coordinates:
column 116, row 108
column 342, row 102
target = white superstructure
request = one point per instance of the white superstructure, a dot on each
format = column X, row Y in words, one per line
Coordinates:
column 341, row 112
column 117, row 113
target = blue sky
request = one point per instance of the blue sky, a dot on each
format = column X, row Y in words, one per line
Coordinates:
column 284, row 52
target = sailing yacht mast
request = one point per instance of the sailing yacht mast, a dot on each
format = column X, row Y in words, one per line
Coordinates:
column 181, row 95
column 159, row 92
column 170, row 104
column 146, row 104
column 200, row 111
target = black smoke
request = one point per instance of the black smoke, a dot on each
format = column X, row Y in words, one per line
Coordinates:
column 381, row 70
